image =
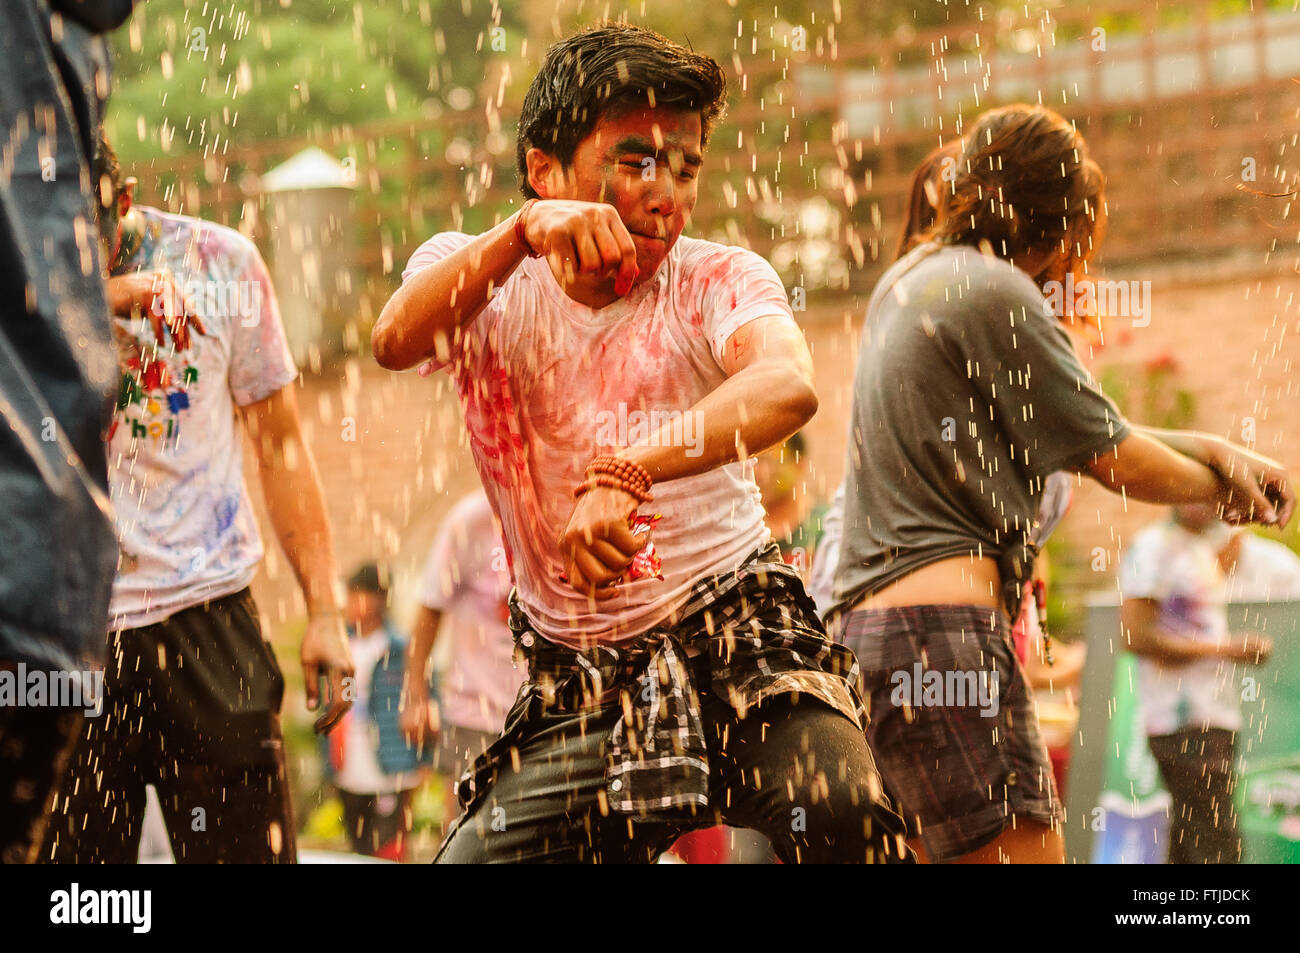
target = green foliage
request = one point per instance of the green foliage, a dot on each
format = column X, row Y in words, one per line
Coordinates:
column 191, row 73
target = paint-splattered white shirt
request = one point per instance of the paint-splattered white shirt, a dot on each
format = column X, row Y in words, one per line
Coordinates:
column 186, row 527
column 547, row 383
column 1180, row 571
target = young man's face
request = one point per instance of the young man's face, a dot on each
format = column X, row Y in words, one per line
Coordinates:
column 645, row 163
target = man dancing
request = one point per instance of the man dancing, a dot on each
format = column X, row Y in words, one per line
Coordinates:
column 599, row 354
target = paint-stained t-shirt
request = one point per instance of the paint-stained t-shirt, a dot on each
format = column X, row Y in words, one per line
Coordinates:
column 967, row 395
column 465, row 578
column 186, row 528
column 546, row 383
column 1179, row 571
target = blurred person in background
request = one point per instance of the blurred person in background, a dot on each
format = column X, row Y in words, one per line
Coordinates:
column 794, row 514
column 192, row 692
column 463, row 593
column 1189, row 676
column 374, row 768
column 1052, row 668
column 57, row 372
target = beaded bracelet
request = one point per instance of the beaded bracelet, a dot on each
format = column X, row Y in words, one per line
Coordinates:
column 605, row 480
column 621, row 468
column 519, row 228
column 619, row 474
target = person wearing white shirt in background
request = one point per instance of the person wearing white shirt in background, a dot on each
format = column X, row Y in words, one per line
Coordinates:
column 1175, row 616
column 464, row 591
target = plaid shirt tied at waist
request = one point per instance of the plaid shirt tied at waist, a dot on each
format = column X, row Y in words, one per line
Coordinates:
column 762, row 638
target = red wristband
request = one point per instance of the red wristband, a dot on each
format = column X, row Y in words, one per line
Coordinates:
column 519, row 228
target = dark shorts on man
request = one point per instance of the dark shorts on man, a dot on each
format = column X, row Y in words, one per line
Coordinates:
column 959, row 770
column 191, row 706
column 1197, row 767
column 781, row 747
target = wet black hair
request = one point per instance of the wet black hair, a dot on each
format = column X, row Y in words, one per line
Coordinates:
column 610, row 69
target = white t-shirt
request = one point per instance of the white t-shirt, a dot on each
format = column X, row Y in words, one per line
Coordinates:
column 360, row 772
column 186, row 527
column 466, row 579
column 546, row 383
column 1180, row 571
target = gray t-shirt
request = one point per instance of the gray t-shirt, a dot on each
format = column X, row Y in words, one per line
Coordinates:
column 967, row 395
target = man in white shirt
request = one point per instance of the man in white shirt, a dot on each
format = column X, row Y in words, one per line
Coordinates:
column 192, row 689
column 464, row 592
column 1189, row 672
column 599, row 354
column 1257, row 569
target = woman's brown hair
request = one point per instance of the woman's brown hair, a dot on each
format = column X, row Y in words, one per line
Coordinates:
column 924, row 197
column 1025, row 182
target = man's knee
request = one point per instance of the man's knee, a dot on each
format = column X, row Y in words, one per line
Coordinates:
column 823, row 755
column 462, row 845
column 816, row 786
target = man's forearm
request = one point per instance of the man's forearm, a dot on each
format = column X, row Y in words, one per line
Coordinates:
column 421, row 318
column 749, row 412
column 296, row 504
column 423, row 637
column 1173, row 650
column 1169, row 648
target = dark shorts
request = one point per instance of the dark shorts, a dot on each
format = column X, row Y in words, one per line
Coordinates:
column 952, row 725
column 35, row 746
column 1197, row 767
column 762, row 730
column 378, row 824
column 191, row 705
